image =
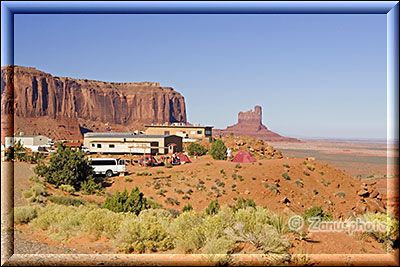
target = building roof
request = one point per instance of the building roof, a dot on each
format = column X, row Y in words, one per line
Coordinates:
column 177, row 126
column 26, row 135
column 125, row 135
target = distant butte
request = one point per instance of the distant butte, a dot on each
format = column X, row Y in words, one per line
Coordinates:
column 250, row 124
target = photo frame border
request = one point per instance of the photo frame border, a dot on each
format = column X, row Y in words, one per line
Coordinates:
column 9, row 9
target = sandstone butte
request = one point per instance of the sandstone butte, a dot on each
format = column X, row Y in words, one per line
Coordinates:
column 250, row 124
column 64, row 108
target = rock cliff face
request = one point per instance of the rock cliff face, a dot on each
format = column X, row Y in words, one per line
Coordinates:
column 250, row 124
column 37, row 97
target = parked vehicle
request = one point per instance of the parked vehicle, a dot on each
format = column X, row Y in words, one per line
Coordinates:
column 85, row 149
column 108, row 166
column 149, row 160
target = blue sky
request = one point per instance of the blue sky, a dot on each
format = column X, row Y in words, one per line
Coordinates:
column 314, row 75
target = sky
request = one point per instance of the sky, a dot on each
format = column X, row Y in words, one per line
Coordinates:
column 314, row 75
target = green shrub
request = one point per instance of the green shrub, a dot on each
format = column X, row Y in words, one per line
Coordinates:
column 143, row 173
column 325, row 182
column 24, row 214
column 238, row 166
column 67, row 167
column 187, row 207
column 310, row 167
column 388, row 238
column 213, row 207
column 99, row 222
column 322, row 173
column 27, row 194
column 168, row 165
column 128, row 179
column 145, row 233
column 222, row 171
column 286, row 165
column 90, row 187
column 285, row 175
column 273, row 188
column 341, row 194
column 306, row 173
column 67, row 188
column 34, row 179
column 186, row 231
column 299, row 183
column 64, row 200
column 218, row 150
column 234, row 176
column 172, row 201
column 199, row 149
column 317, row 211
column 244, row 203
column 124, row 202
column 253, row 178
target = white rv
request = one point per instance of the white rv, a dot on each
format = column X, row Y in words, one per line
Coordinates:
column 108, row 166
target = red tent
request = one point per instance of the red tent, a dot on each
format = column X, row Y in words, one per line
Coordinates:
column 243, row 156
column 183, row 158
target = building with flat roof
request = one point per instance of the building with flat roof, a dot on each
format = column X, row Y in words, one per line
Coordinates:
column 132, row 143
column 194, row 132
column 28, row 141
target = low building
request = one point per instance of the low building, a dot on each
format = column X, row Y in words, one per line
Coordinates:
column 194, row 132
column 131, row 143
column 28, row 141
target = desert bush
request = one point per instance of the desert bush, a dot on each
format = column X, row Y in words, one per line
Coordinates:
column 102, row 222
column 199, row 149
column 25, row 214
column 124, row 202
column 146, row 232
column 244, row 203
column 27, row 193
column 168, row 165
column 317, row 211
column 90, row 187
column 34, row 179
column 128, row 179
column 325, row 182
column 299, row 183
column 238, row 166
column 322, row 173
column 213, row 207
column 63, row 221
column 306, row 173
column 143, row 173
column 234, row 176
column 390, row 237
column 285, row 175
column 222, row 171
column 310, row 167
column 64, row 200
column 219, row 183
column 187, row 207
column 179, row 191
column 186, row 231
column 67, row 167
column 240, row 178
column 253, row 178
column 172, row 201
column 341, row 194
column 218, row 150
column 286, row 165
column 67, row 188
column 252, row 225
column 36, row 194
column 273, row 188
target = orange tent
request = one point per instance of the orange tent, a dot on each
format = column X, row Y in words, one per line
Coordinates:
column 243, row 156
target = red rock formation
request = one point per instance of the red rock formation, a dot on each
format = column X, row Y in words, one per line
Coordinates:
column 47, row 102
column 250, row 124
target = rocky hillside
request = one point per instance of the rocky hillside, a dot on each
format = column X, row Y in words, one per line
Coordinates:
column 250, row 124
column 42, row 102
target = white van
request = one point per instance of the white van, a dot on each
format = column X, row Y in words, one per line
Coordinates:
column 108, row 166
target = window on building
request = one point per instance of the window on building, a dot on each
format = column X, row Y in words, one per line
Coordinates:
column 166, row 132
column 98, row 145
column 93, row 145
column 208, row 132
column 192, row 132
column 199, row 132
column 111, row 146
